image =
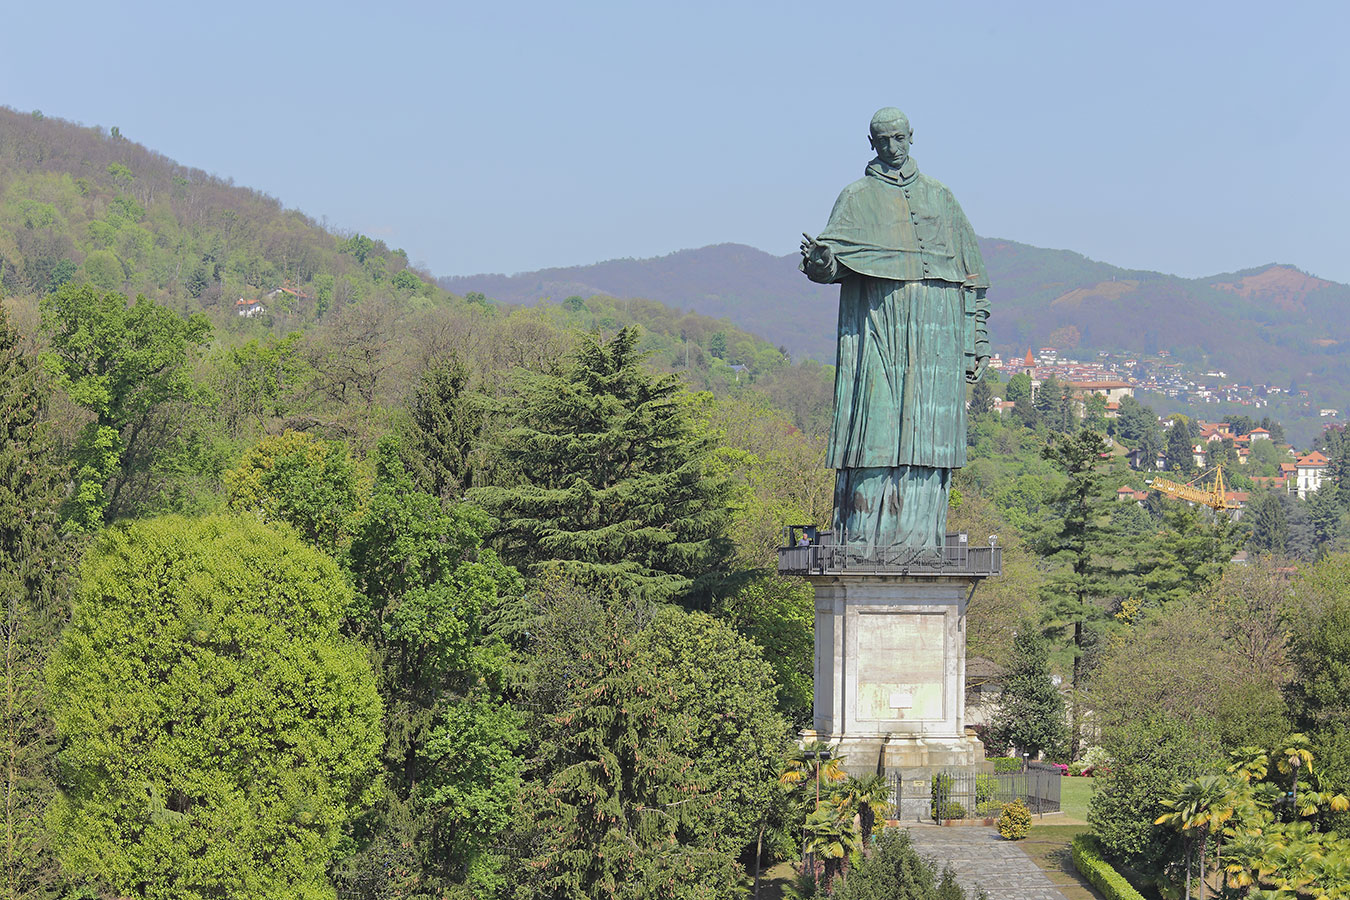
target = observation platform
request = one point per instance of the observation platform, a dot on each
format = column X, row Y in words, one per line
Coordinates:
column 822, row 556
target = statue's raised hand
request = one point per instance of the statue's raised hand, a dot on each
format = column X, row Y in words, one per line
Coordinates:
column 816, row 254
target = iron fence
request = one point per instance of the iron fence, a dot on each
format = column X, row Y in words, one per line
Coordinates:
column 926, row 796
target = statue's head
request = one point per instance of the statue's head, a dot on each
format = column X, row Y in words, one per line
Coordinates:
column 890, row 136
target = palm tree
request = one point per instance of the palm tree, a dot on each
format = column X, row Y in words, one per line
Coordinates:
column 1202, row 804
column 870, row 796
column 1249, row 763
column 804, row 764
column 1294, row 755
column 831, row 838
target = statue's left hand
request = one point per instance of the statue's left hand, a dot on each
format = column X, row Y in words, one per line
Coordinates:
column 981, row 363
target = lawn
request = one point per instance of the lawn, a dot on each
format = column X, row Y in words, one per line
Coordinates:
column 1074, row 794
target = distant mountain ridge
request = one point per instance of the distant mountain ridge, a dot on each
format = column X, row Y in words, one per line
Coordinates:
column 1271, row 323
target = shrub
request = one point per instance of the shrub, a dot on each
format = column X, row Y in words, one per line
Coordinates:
column 1076, row 769
column 1004, row 764
column 1087, row 858
column 953, row 810
column 1014, row 821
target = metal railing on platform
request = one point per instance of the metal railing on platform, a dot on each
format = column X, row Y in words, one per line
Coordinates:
column 813, row 552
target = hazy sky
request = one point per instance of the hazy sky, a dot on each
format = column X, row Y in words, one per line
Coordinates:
column 1188, row 137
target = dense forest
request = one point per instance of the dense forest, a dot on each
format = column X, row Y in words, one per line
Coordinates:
column 386, row 592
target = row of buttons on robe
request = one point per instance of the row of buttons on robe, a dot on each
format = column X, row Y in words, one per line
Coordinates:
column 914, row 218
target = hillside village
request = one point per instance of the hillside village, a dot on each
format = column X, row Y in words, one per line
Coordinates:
column 1159, row 374
column 1214, row 443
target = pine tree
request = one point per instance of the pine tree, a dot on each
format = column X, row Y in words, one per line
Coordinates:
column 1189, row 552
column 617, row 482
column 32, row 564
column 981, row 398
column 1180, row 455
column 620, row 810
column 1270, row 528
column 444, row 430
column 1084, row 543
column 1031, row 710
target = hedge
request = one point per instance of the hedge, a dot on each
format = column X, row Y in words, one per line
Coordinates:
column 1004, row 764
column 1087, row 858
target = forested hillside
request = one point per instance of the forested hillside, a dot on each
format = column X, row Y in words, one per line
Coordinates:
column 386, row 592
column 1272, row 324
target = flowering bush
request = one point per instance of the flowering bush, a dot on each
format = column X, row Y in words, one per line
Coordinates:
column 1095, row 759
column 1014, row 822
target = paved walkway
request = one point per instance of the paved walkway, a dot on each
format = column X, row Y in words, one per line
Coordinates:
column 980, row 856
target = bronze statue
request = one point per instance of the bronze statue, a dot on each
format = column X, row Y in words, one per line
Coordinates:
column 912, row 312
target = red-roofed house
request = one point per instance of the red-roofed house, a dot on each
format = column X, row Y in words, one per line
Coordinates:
column 1260, row 434
column 249, row 308
column 1310, row 469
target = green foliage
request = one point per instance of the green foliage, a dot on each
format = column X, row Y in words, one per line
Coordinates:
column 620, row 808
column 33, row 563
column 426, row 589
column 308, row 483
column 446, row 420
column 1180, row 457
column 894, row 870
column 1187, row 555
column 1030, row 717
column 1269, row 524
column 870, row 795
column 1083, row 544
column 1088, row 860
column 257, row 383
column 1319, row 646
column 779, row 615
column 1014, row 821
column 122, row 364
column 1149, row 754
column 219, row 731
column 726, row 688
column 616, row 477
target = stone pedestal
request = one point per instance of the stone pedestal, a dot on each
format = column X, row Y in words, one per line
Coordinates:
column 890, row 678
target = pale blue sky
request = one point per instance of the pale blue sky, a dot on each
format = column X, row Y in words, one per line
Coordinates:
column 1192, row 138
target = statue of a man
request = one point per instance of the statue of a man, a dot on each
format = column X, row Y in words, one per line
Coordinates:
column 912, row 312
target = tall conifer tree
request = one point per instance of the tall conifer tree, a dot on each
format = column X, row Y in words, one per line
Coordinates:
column 32, row 563
column 1082, row 540
column 444, row 427
column 617, row 479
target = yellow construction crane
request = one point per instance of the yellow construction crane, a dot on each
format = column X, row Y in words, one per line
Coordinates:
column 1213, row 496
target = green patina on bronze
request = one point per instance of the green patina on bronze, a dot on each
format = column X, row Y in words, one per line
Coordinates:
column 912, row 333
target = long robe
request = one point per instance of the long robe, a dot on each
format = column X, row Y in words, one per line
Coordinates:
column 912, row 313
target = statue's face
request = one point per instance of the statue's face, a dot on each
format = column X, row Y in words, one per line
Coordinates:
column 891, row 142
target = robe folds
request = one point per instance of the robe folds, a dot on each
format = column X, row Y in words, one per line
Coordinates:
column 912, row 313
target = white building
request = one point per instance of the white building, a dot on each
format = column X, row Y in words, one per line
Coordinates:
column 1311, row 469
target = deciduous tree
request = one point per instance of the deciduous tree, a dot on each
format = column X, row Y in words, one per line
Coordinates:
column 119, row 362
column 219, row 732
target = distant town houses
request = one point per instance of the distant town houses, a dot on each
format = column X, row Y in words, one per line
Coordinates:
column 1155, row 374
